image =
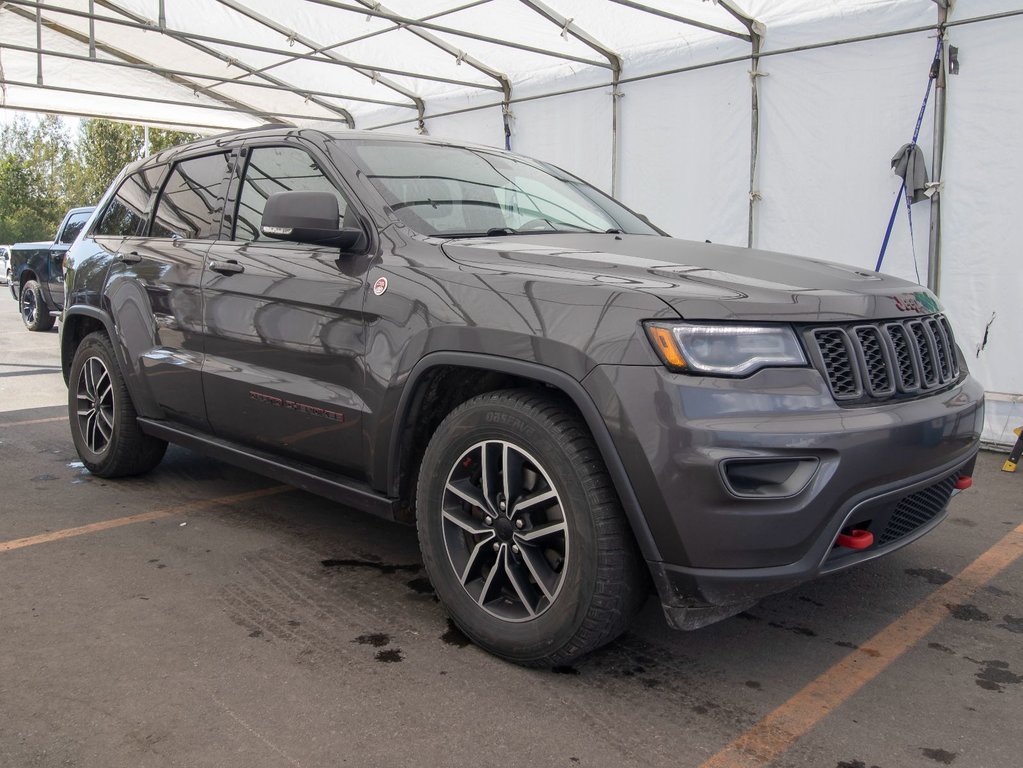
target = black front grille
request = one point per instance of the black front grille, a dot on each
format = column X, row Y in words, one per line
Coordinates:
column 878, row 361
column 916, row 510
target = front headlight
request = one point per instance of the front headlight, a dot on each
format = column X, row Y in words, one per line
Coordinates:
column 725, row 350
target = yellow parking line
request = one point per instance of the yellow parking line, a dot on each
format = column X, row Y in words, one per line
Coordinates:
column 774, row 734
column 32, row 421
column 104, row 525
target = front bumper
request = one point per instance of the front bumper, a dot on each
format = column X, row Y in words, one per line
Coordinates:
column 720, row 552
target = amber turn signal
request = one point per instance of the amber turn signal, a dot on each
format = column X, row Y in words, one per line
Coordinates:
column 665, row 345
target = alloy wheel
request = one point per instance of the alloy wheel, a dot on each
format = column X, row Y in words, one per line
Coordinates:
column 505, row 531
column 29, row 306
column 95, row 397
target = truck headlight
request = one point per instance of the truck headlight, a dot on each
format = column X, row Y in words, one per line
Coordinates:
column 725, row 349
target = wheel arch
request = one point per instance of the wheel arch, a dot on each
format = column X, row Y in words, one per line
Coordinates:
column 77, row 323
column 402, row 461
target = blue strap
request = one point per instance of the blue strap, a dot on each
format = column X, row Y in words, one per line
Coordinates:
column 932, row 76
column 891, row 223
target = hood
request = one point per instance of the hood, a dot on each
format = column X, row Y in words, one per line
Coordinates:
column 703, row 281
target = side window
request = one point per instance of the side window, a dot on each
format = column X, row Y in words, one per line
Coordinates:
column 277, row 169
column 74, row 226
column 192, row 199
column 126, row 213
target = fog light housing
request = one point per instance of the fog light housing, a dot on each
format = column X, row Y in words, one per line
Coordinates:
column 768, row 478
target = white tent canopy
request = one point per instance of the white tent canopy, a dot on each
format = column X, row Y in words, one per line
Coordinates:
column 649, row 98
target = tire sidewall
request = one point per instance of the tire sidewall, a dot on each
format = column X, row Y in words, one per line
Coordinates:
column 492, row 419
column 89, row 348
column 31, row 289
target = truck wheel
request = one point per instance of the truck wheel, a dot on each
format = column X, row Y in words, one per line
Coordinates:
column 522, row 533
column 35, row 312
column 103, row 419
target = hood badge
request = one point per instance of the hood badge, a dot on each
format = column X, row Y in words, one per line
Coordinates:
column 380, row 286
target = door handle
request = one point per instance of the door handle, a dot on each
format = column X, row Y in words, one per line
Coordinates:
column 229, row 267
column 132, row 257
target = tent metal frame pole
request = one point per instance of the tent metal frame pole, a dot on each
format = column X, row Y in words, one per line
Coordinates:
column 163, row 71
column 344, row 113
column 682, row 19
column 937, row 156
column 157, row 100
column 125, row 118
column 569, row 27
column 349, row 41
column 369, row 72
column 185, row 36
column 756, row 34
column 92, row 29
column 39, row 44
column 405, row 21
column 459, row 56
column 127, row 57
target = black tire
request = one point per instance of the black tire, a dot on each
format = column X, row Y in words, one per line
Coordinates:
column 35, row 312
column 103, row 419
column 602, row 581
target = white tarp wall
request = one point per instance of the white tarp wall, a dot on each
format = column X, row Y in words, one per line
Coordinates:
column 831, row 117
column 830, row 120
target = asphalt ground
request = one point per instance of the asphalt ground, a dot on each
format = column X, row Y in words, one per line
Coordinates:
column 205, row 616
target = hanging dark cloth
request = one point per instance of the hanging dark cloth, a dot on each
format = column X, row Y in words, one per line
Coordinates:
column 908, row 163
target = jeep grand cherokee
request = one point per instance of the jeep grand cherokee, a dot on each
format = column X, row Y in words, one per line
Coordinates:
column 564, row 400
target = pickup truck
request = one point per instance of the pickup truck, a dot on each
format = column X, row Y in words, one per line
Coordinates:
column 37, row 272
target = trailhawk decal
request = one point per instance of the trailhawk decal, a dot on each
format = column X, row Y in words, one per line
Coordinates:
column 294, row 405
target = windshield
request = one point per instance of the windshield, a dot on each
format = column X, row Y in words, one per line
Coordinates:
column 450, row 191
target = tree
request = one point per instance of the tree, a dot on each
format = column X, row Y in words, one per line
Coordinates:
column 34, row 184
column 105, row 147
column 44, row 170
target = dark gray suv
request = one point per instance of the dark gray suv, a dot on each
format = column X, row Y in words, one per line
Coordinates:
column 566, row 401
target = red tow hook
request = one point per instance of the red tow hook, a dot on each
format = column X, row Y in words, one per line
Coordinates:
column 855, row 539
column 963, row 483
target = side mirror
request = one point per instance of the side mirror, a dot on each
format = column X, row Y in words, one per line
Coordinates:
column 308, row 217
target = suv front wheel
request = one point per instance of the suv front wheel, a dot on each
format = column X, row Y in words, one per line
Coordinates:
column 522, row 533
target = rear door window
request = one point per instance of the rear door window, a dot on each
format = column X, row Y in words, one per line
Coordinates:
column 277, row 169
column 192, row 201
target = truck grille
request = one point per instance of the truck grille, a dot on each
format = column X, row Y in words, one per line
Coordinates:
column 886, row 360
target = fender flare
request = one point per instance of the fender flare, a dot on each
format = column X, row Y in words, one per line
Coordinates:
column 84, row 310
column 570, row 387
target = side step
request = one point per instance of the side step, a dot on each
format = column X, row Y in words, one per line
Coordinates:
column 313, row 479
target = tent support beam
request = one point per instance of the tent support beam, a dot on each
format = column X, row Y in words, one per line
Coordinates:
column 404, row 21
column 343, row 113
column 189, row 126
column 196, row 75
column 142, row 63
column 569, row 27
column 937, row 156
column 756, row 36
column 156, row 100
column 682, row 19
column 92, row 29
column 312, row 45
column 459, row 55
column 335, row 46
column 149, row 26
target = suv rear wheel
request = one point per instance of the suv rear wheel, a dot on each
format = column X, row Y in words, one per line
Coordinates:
column 103, row 419
column 522, row 533
column 35, row 312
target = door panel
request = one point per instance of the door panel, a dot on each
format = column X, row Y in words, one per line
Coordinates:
column 284, row 344
column 155, row 297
